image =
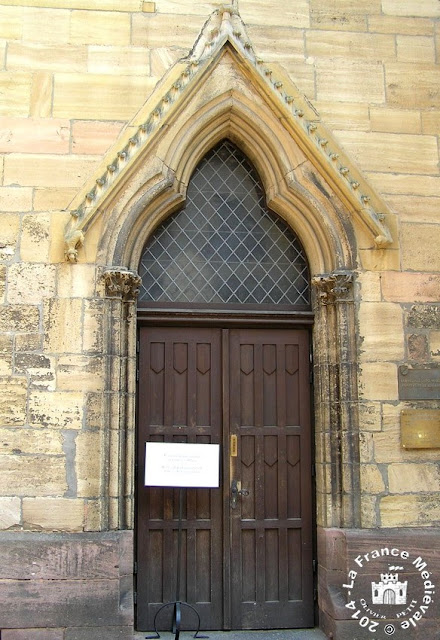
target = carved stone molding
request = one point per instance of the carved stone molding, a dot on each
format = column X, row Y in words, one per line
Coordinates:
column 225, row 28
column 121, row 283
column 334, row 287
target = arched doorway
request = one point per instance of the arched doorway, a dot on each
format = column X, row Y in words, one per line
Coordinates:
column 224, row 314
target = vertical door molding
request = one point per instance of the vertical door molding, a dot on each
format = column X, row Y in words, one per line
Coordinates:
column 120, row 288
column 336, row 400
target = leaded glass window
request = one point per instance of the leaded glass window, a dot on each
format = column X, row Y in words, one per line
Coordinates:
column 225, row 246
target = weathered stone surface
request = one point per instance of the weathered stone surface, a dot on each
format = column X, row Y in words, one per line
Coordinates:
column 52, row 25
column 353, row 81
column 11, row 22
column 46, row 57
column 378, row 381
column 15, row 198
column 413, row 478
column 415, row 236
column 76, row 282
column 44, row 409
column 424, row 316
column 418, row 348
column 15, row 92
column 39, row 368
column 413, row 88
column 10, row 513
column 42, row 277
column 415, row 49
column 48, row 170
column 88, row 463
column 13, row 392
column 405, row 25
column 337, row 114
column 52, row 199
column 41, row 94
column 32, row 475
column 53, row 514
column 73, row 580
column 94, row 137
column 405, row 184
column 395, row 120
column 33, row 634
column 65, row 556
column 95, row 96
column 425, row 8
column 380, row 329
column 431, row 122
column 346, row 45
column 80, row 373
column 62, row 602
column 371, row 479
column 410, row 510
column 9, row 235
column 389, row 152
column 103, row 633
column 34, row 135
column 113, row 60
column 410, row 287
column 100, row 27
column 35, row 240
column 416, row 209
column 62, row 325
column 31, row 441
column 93, row 330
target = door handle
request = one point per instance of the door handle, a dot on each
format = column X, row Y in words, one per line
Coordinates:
column 235, row 492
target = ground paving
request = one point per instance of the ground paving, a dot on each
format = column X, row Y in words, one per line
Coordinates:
column 284, row 634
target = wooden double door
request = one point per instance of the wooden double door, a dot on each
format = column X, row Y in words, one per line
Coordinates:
column 247, row 546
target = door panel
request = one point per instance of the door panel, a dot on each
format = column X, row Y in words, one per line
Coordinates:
column 272, row 580
column 253, row 561
column 179, row 401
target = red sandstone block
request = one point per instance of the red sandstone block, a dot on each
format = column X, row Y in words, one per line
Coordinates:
column 93, row 137
column 34, row 135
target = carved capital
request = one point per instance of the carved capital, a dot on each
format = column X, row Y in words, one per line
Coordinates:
column 121, row 283
column 334, row 287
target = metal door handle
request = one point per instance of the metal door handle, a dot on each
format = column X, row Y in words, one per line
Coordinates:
column 235, row 492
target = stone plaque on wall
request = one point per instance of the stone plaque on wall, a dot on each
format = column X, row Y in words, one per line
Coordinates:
column 419, row 383
column 420, row 428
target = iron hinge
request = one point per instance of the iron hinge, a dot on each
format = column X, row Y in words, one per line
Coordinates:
column 135, row 568
column 315, row 594
column 313, row 470
column 314, row 565
column 135, row 597
column 138, row 346
column 137, row 375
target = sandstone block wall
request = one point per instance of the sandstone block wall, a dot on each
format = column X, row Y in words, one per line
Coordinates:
column 72, row 74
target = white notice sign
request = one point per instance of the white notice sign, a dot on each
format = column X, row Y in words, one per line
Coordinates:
column 180, row 464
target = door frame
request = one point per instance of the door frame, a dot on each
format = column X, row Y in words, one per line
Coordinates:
column 229, row 319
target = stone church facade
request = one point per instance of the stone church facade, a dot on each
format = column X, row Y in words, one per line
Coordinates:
column 106, row 109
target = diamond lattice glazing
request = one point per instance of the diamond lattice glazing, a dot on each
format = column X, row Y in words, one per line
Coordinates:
column 225, row 246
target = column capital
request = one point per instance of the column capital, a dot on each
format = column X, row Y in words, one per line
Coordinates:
column 334, row 287
column 121, row 283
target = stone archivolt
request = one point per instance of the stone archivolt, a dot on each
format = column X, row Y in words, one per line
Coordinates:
column 219, row 112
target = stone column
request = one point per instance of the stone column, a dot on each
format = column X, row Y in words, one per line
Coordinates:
column 121, row 288
column 336, row 400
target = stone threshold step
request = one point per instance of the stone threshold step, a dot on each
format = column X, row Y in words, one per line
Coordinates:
column 282, row 634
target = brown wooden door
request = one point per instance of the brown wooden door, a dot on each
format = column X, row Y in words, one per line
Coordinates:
column 248, row 565
column 271, row 568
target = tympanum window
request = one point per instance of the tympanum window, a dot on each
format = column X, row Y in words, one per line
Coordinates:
column 225, row 247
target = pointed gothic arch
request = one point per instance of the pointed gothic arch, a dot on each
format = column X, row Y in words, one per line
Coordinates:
column 222, row 90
